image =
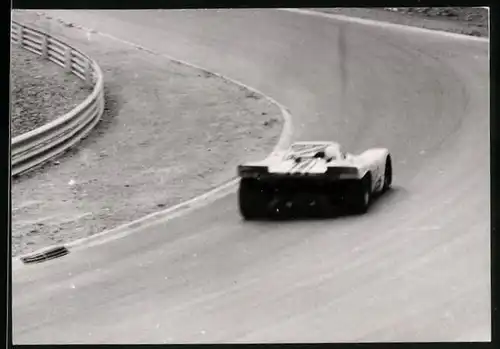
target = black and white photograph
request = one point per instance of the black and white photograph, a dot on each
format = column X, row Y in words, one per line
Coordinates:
column 250, row 175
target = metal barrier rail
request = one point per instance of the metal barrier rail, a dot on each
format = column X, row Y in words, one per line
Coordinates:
column 41, row 144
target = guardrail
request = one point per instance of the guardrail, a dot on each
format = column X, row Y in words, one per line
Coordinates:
column 35, row 147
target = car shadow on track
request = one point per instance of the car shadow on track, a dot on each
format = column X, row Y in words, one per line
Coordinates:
column 329, row 212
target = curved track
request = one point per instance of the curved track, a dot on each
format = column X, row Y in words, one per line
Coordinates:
column 416, row 268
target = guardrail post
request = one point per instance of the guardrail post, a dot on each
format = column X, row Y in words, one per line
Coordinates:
column 67, row 59
column 21, row 29
column 102, row 102
column 45, row 44
column 88, row 72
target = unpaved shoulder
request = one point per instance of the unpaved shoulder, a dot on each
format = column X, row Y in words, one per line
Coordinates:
column 461, row 20
column 169, row 133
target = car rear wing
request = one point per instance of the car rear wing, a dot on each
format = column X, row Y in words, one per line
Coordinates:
column 335, row 173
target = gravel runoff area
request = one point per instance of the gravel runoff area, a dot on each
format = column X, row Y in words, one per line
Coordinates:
column 41, row 91
column 169, row 133
column 461, row 20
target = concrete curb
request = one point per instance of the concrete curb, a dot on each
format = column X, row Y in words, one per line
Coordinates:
column 184, row 207
column 47, row 254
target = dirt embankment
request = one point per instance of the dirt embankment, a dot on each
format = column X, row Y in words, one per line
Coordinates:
column 462, row 20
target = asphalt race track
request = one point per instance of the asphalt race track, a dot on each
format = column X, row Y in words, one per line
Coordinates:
column 415, row 268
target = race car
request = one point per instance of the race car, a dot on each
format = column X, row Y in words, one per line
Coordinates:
column 310, row 173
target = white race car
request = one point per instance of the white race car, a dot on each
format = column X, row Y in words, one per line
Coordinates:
column 313, row 171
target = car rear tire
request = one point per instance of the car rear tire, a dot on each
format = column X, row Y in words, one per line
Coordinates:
column 253, row 199
column 361, row 196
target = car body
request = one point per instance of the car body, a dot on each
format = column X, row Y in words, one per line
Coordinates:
column 313, row 169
